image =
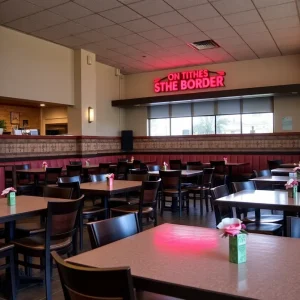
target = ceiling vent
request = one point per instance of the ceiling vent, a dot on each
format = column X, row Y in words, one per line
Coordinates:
column 203, row 45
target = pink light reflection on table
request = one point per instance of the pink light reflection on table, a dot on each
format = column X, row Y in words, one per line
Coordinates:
column 186, row 240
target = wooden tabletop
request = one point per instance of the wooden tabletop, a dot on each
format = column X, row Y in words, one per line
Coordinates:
column 34, row 171
column 289, row 165
column 231, row 164
column 193, row 262
column 273, row 179
column 262, row 199
column 184, row 173
column 119, row 186
column 282, row 171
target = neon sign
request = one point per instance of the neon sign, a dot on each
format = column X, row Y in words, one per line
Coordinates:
column 189, row 80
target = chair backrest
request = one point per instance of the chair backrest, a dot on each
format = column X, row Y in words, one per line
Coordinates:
column 153, row 167
column 62, row 219
column 75, row 162
column 293, row 227
column 170, row 179
column 207, row 176
column 243, row 185
column 148, row 195
column 138, row 177
column 221, row 212
column 137, row 171
column 23, row 176
column 110, row 230
column 52, row 174
column 97, row 177
column 262, row 173
column 194, row 165
column 219, row 165
column 74, row 170
column 122, row 159
column 70, row 182
column 55, row 192
column 273, row 164
column 136, row 164
column 104, row 168
column 82, row 283
column 175, row 164
column 122, row 168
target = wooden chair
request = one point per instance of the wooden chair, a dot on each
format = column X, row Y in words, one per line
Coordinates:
column 104, row 168
column 122, row 170
column 202, row 189
column 194, row 165
column 147, row 206
column 111, row 230
column 82, row 283
column 274, row 164
column 171, row 187
column 137, row 171
column 293, row 227
column 136, row 164
column 222, row 212
column 175, row 164
column 75, row 162
column 60, row 235
column 220, row 173
column 51, row 175
column 89, row 213
column 25, row 184
column 74, row 170
column 262, row 173
column 250, row 186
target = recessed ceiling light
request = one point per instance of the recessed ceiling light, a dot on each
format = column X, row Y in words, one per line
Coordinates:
column 42, row 104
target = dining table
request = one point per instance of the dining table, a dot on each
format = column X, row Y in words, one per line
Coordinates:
column 289, row 165
column 190, row 262
column 184, row 173
column 272, row 179
column 105, row 190
column 282, row 171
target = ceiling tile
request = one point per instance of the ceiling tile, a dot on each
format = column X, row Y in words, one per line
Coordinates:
column 93, row 47
column 283, row 23
column 264, row 3
column 211, row 23
column 266, row 50
column 168, row 19
column 169, row 42
column 232, row 42
column 94, row 21
column 128, row 50
column 160, row 53
column 259, row 37
column 129, row 1
column 226, row 7
column 279, row 11
column 47, row 3
column 199, row 12
column 115, row 31
column 147, row 46
column 139, row 25
column 37, row 21
column 221, row 33
column 151, row 7
column 287, row 33
column 250, row 28
column 178, row 4
column 92, row 36
column 199, row 59
column 182, row 49
column 61, row 30
column 218, row 55
column 107, row 53
column 175, row 59
column 14, row 9
column 121, row 14
column 71, row 10
column 244, row 17
column 131, row 39
column 99, row 5
column 156, row 34
column 288, row 47
column 194, row 37
column 111, row 44
column 242, row 53
column 182, row 29
column 70, row 41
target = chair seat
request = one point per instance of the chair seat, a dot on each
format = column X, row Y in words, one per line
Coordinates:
column 265, row 228
column 5, row 247
column 37, row 243
column 132, row 209
column 93, row 210
column 28, row 229
column 197, row 188
column 171, row 192
column 265, row 219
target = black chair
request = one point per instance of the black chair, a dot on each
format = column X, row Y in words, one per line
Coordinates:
column 75, row 162
column 250, row 186
column 51, row 175
column 171, row 187
column 175, row 164
column 97, row 177
column 202, row 189
column 82, row 283
column 274, row 164
column 104, row 168
column 194, row 165
column 74, row 170
column 122, row 170
column 222, row 212
column 262, row 173
column 147, row 206
column 293, row 227
column 136, row 164
column 25, row 184
column 60, row 235
column 137, row 171
column 111, row 230
column 153, row 167
column 220, row 173
column 122, row 160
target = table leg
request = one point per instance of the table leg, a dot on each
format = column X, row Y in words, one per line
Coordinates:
column 257, row 215
column 106, row 206
column 10, row 231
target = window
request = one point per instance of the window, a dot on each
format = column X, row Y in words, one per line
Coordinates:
column 259, row 123
column 159, row 127
column 204, row 125
column 228, row 124
column 181, row 126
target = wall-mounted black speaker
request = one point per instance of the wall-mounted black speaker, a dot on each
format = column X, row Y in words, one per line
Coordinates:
column 126, row 140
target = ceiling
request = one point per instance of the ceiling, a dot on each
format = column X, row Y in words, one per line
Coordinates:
column 146, row 35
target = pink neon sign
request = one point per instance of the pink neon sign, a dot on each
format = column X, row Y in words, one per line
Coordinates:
column 189, row 80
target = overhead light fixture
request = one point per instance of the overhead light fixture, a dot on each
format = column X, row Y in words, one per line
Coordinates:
column 91, row 115
column 42, row 105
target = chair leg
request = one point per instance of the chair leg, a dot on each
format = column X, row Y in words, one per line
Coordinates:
column 180, row 205
column 162, row 205
column 194, row 200
column 81, row 232
column 206, row 200
column 48, row 277
column 201, row 203
column 28, row 270
column 12, row 276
